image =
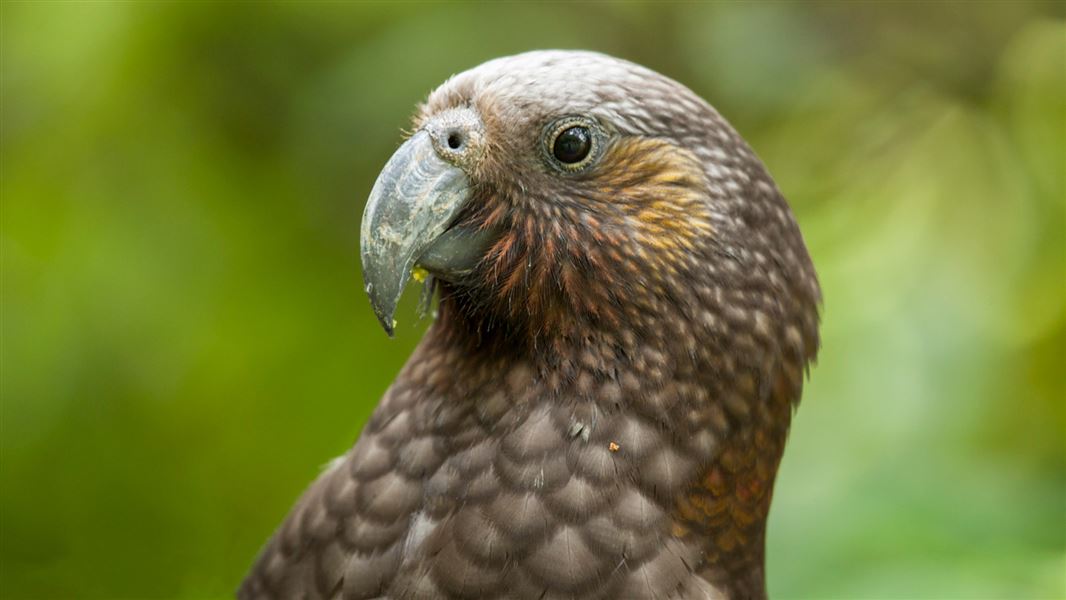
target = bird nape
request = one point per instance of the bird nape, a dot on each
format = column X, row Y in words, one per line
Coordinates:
column 626, row 314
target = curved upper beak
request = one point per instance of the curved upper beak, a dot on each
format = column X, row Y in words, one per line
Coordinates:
column 414, row 201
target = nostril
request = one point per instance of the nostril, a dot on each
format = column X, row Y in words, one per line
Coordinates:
column 455, row 140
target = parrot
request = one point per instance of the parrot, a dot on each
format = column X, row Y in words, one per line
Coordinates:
column 626, row 314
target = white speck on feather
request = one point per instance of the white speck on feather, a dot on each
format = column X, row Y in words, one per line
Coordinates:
column 334, row 464
column 421, row 527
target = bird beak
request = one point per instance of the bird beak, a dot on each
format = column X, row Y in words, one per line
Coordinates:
column 414, row 200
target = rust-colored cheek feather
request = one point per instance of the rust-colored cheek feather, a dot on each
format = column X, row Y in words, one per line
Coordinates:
column 626, row 315
column 572, row 263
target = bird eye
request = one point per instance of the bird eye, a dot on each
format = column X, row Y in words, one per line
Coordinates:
column 572, row 145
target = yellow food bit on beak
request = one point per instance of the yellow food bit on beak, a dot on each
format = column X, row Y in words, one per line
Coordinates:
column 419, row 274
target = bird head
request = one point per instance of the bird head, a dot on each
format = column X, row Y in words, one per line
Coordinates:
column 556, row 193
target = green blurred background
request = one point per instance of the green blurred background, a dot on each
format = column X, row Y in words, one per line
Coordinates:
column 185, row 340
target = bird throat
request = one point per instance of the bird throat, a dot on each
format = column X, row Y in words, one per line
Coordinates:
column 696, row 424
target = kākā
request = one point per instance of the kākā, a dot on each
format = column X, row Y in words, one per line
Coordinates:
column 626, row 315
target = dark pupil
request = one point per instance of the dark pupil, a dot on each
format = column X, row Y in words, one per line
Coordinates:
column 572, row 145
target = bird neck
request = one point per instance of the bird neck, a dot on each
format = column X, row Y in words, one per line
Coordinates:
column 697, row 421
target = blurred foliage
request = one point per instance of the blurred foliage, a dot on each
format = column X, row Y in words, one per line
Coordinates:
column 185, row 341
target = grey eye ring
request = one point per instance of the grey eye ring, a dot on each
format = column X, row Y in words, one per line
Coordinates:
column 572, row 143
